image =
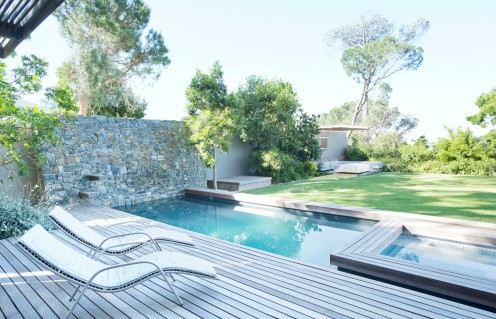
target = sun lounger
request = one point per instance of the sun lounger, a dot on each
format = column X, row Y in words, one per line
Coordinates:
column 118, row 244
column 88, row 273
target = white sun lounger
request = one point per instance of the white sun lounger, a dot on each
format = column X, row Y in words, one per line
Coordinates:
column 118, row 244
column 88, row 273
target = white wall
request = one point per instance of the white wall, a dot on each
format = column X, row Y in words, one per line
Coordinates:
column 336, row 145
column 21, row 185
column 234, row 163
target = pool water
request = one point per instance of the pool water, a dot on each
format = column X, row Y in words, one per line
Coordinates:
column 445, row 254
column 305, row 236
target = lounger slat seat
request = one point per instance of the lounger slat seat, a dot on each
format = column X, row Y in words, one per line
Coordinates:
column 93, row 274
column 119, row 244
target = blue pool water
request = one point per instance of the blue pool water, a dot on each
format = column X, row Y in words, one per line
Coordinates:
column 305, row 236
column 445, row 254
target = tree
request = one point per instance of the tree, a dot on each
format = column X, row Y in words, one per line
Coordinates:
column 23, row 130
column 211, row 116
column 281, row 134
column 112, row 48
column 268, row 111
column 382, row 118
column 374, row 49
column 487, row 109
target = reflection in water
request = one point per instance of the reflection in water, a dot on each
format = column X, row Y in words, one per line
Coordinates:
column 300, row 235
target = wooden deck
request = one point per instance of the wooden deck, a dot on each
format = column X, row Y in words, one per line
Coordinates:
column 253, row 284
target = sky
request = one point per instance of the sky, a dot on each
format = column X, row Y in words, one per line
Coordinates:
column 284, row 39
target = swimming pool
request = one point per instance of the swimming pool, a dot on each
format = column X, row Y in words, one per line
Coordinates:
column 445, row 254
column 305, row 236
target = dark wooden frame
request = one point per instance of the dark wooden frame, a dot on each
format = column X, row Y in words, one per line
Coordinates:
column 19, row 18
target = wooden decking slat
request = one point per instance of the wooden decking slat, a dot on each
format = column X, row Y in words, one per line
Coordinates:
column 7, row 307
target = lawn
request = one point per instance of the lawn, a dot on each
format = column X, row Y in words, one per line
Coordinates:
column 455, row 196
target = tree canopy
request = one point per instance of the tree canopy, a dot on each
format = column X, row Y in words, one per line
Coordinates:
column 211, row 115
column 374, row 49
column 281, row 133
column 487, row 109
column 268, row 111
column 112, row 46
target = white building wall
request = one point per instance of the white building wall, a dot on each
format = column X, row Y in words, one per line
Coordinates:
column 236, row 162
column 20, row 185
column 336, row 145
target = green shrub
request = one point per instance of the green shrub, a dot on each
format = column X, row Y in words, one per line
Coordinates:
column 355, row 153
column 17, row 215
column 310, row 168
column 281, row 166
column 394, row 164
column 459, row 166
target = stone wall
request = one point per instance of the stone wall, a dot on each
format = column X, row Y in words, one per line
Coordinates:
column 113, row 162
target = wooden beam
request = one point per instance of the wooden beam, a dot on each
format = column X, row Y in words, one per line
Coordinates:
column 7, row 30
column 9, row 47
column 28, row 22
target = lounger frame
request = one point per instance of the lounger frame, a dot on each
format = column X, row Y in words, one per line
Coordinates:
column 89, row 285
column 96, row 251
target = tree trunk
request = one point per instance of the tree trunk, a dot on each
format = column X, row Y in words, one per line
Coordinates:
column 362, row 103
column 83, row 106
column 215, row 169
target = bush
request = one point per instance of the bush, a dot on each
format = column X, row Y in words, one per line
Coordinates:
column 17, row 215
column 281, row 166
column 459, row 166
column 310, row 168
column 355, row 153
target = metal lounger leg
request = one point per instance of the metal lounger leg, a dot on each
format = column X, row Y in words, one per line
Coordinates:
column 172, row 288
column 78, row 299
column 74, row 293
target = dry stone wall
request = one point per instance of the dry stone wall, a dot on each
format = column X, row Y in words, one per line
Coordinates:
column 114, row 162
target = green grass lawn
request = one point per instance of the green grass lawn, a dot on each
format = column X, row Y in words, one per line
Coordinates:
column 463, row 197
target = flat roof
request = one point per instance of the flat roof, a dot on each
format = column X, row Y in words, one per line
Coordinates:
column 343, row 128
column 18, row 18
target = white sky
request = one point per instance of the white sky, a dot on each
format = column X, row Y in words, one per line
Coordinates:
column 284, row 39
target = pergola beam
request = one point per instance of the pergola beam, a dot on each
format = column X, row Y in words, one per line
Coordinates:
column 20, row 21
